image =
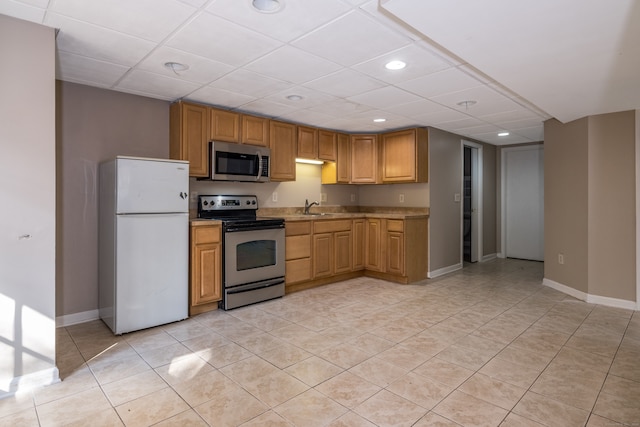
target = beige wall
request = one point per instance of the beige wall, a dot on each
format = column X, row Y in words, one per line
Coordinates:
column 611, row 223
column 590, row 205
column 94, row 125
column 28, row 217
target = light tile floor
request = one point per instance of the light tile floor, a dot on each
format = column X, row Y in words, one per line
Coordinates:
column 485, row 346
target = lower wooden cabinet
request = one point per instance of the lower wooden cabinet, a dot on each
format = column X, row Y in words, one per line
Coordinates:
column 297, row 252
column 358, row 232
column 332, row 247
column 205, row 276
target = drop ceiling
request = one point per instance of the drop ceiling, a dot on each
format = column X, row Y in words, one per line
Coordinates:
column 332, row 54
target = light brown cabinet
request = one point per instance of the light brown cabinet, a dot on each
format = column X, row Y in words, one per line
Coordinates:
column 189, row 136
column 254, row 130
column 282, row 139
column 297, row 252
column 332, row 247
column 364, row 159
column 225, row 125
column 404, row 156
column 205, row 276
column 394, row 246
column 307, row 142
column 373, row 244
column 327, row 149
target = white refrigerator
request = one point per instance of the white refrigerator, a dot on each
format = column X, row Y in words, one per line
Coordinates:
column 143, row 242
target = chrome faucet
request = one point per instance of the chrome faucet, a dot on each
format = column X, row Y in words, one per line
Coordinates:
column 308, row 205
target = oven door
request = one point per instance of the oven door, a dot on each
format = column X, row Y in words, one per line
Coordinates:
column 253, row 255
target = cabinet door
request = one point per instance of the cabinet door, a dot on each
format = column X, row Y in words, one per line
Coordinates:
column 343, row 249
column 307, row 142
column 344, row 159
column 282, row 139
column 395, row 252
column 189, row 136
column 364, row 159
column 206, row 283
column 225, row 125
column 373, row 244
column 405, row 156
column 358, row 232
column 327, row 149
column 322, row 255
column 255, row 131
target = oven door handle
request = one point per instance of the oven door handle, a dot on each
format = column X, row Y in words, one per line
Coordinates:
column 235, row 228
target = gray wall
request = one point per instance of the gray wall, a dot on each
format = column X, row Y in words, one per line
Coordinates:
column 94, row 125
column 445, row 180
column 27, row 220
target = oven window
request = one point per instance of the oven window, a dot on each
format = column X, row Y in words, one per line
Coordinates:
column 255, row 254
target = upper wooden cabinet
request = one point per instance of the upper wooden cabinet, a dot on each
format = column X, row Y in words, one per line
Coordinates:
column 225, row 125
column 282, row 139
column 189, row 136
column 307, row 142
column 364, row 159
column 405, row 156
column 255, row 131
column 327, row 149
column 339, row 171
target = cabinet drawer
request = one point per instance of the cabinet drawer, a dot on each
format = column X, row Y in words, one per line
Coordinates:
column 298, row 270
column 206, row 234
column 297, row 228
column 331, row 226
column 297, row 247
column 395, row 225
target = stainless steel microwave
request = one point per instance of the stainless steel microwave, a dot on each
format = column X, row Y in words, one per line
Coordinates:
column 238, row 162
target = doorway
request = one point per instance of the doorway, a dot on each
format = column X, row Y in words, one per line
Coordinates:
column 471, row 229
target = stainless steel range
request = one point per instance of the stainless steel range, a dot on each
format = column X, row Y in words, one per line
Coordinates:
column 253, row 249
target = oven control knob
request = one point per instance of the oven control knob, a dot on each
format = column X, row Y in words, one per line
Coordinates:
column 253, row 202
column 205, row 203
column 248, row 202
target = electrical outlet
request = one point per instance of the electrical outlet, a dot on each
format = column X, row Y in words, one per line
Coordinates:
column 274, row 196
column 456, row 197
column 323, row 197
column 401, row 198
column 560, row 258
column 194, row 196
column 353, row 197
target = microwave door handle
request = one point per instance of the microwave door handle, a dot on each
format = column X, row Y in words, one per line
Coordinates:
column 259, row 165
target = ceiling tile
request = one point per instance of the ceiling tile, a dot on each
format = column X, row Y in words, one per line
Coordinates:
column 487, row 101
column 310, row 97
column 147, row 19
column 442, row 82
column 520, row 124
column 292, row 65
column 372, row 8
column 249, row 83
column 155, row 85
column 220, row 40
column 419, row 63
column 220, row 97
column 201, row 70
column 345, row 83
column 266, row 108
column 80, row 69
column 307, row 116
column 535, row 133
column 22, row 11
column 417, row 108
column 385, row 97
column 96, row 42
column 351, row 39
column 340, row 107
column 482, row 128
column 433, row 119
column 292, row 21
column 493, row 138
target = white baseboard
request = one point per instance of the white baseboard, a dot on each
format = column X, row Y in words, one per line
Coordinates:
column 445, row 270
column 592, row 299
column 489, row 257
column 75, row 318
column 29, row 381
column 501, row 255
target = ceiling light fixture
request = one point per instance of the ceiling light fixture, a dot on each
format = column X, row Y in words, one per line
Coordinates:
column 267, row 6
column 503, row 134
column 294, row 97
column 395, row 65
column 379, row 120
column 176, row 67
column 467, row 104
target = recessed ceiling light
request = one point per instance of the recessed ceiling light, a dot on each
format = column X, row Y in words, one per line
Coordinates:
column 379, row 120
column 294, row 97
column 503, row 134
column 176, row 66
column 395, row 65
column 267, row 6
